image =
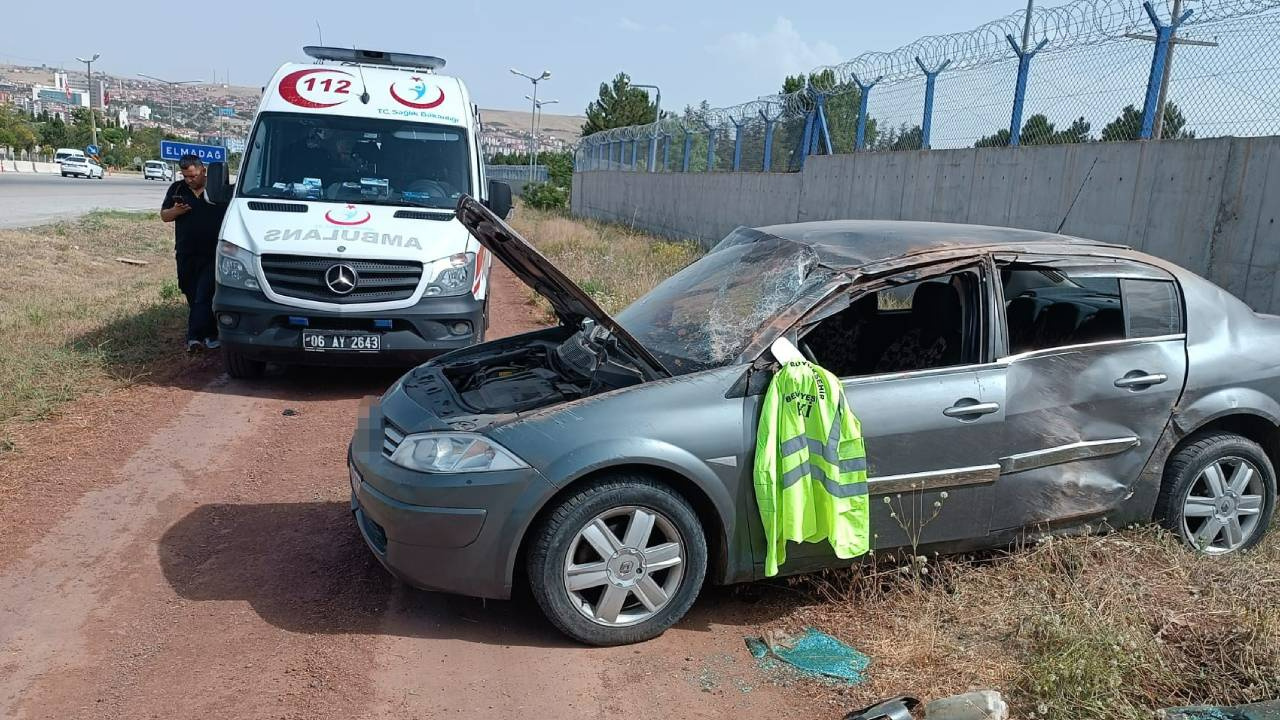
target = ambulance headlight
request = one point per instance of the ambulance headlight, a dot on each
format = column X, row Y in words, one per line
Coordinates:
column 235, row 267
column 453, row 453
column 453, row 274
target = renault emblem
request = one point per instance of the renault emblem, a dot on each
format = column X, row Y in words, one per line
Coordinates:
column 341, row 279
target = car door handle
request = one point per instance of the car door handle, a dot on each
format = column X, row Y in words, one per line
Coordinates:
column 971, row 409
column 1140, row 381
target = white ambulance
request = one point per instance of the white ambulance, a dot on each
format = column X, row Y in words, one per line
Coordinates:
column 340, row 244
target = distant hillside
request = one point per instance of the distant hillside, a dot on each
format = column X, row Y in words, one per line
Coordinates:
column 565, row 127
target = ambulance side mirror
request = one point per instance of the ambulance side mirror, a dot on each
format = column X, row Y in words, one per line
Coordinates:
column 217, row 185
column 499, row 199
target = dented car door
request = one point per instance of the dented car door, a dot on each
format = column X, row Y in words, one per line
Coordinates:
column 1096, row 362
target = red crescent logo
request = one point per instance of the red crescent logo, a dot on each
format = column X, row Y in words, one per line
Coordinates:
column 289, row 88
column 361, row 221
column 420, row 106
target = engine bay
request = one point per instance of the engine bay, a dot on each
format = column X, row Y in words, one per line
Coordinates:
column 518, row 377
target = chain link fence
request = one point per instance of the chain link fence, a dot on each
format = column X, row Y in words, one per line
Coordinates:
column 1087, row 71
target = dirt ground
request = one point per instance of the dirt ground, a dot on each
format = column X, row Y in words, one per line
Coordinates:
column 185, row 550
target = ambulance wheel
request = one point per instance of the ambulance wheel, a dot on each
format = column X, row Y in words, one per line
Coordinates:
column 617, row 562
column 241, row 367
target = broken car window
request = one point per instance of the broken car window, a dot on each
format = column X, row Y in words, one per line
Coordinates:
column 705, row 315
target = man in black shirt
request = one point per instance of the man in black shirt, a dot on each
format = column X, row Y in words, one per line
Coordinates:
column 197, row 222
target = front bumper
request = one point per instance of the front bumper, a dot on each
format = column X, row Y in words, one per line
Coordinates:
column 252, row 325
column 451, row 533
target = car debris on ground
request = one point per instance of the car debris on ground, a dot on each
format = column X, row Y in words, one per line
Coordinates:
column 812, row 653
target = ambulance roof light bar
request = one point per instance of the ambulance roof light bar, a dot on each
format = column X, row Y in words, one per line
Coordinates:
column 374, row 57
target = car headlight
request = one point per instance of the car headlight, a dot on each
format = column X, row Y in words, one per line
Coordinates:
column 453, row 453
column 454, row 276
column 235, row 267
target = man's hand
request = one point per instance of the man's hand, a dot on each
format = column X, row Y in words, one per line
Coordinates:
column 180, row 207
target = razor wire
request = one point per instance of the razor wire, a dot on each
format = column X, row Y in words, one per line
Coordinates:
column 1098, row 37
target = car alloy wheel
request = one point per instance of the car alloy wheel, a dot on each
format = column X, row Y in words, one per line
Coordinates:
column 624, row 566
column 618, row 560
column 1223, row 506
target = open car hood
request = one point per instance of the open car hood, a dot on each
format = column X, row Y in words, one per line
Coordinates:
column 571, row 304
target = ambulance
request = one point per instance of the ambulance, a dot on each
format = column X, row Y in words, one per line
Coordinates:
column 340, row 244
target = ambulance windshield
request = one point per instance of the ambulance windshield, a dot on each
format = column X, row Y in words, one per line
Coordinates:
column 331, row 158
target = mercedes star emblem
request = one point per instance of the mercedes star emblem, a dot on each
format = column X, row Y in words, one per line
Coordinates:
column 341, row 279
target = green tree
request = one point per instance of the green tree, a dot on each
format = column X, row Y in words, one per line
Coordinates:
column 17, row 130
column 619, row 105
column 1037, row 130
column 1128, row 125
column 903, row 137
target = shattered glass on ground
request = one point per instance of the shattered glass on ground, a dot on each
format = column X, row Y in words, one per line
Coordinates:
column 814, row 653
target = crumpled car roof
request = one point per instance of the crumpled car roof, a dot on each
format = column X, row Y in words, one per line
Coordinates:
column 848, row 244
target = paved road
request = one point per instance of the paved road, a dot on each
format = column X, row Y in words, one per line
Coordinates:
column 29, row 199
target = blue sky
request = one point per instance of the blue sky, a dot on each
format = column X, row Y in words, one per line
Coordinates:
column 724, row 51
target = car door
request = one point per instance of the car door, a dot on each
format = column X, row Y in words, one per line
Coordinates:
column 932, row 426
column 1096, row 362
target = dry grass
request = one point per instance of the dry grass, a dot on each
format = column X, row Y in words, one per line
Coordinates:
column 613, row 264
column 73, row 320
column 1075, row 628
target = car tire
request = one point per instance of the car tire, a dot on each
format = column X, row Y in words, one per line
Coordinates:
column 652, row 598
column 240, row 366
column 1219, row 493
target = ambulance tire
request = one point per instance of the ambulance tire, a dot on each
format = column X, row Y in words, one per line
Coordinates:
column 612, row 500
column 241, row 367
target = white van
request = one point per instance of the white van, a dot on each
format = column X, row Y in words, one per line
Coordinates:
column 156, row 170
column 63, row 153
column 340, row 244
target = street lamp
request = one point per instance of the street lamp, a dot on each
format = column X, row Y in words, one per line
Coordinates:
column 93, row 123
column 657, row 106
column 173, row 84
column 537, row 107
column 532, row 129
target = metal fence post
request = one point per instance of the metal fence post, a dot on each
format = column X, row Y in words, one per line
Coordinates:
column 737, row 145
column 634, row 145
column 860, row 142
column 688, row 150
column 666, row 152
column 821, row 129
column 1164, row 34
column 768, row 144
column 1020, row 90
column 807, row 136
column 711, row 148
column 930, row 77
column 652, row 158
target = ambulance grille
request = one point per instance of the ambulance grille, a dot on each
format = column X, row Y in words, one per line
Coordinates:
column 303, row 277
column 277, row 206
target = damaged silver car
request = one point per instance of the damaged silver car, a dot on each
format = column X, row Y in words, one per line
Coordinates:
column 1027, row 382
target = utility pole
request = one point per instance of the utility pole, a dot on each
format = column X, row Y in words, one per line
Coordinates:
column 173, row 86
column 657, row 117
column 533, row 138
column 537, row 106
column 93, row 122
column 1165, row 39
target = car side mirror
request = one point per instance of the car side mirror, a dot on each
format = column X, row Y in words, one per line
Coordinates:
column 217, row 185
column 499, row 198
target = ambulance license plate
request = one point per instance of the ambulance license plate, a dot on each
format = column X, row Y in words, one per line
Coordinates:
column 341, row 342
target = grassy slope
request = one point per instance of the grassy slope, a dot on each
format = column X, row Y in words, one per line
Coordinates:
column 74, row 320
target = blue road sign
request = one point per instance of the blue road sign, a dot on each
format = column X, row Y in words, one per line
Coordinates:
column 227, row 111
column 91, row 150
column 172, row 150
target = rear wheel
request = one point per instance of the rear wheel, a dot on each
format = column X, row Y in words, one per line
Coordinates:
column 240, row 366
column 618, row 562
column 1219, row 493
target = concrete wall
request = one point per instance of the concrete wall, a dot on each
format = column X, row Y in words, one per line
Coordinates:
column 1209, row 205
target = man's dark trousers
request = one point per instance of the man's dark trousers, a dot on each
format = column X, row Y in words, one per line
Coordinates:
column 195, row 280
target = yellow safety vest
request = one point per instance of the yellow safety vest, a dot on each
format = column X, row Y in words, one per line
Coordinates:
column 810, row 466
